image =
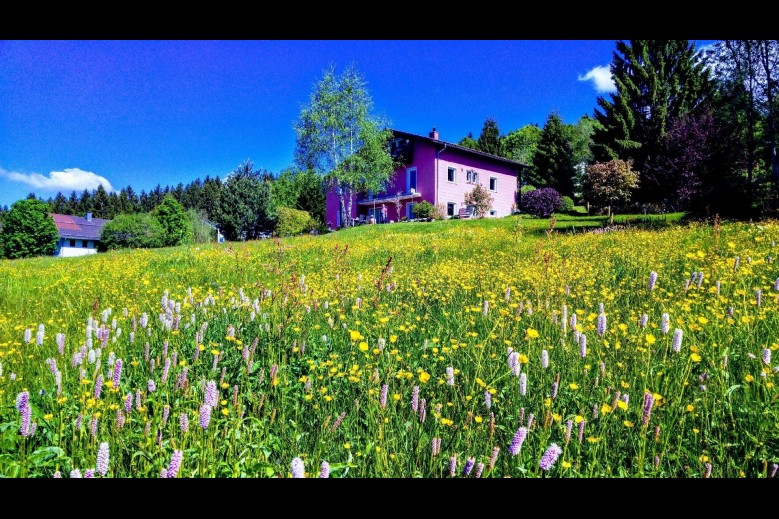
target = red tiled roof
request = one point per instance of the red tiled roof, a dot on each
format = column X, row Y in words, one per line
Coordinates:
column 70, row 226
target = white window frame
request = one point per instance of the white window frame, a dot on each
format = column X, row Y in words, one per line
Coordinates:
column 454, row 175
column 496, row 184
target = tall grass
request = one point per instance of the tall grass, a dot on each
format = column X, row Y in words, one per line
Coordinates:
column 403, row 350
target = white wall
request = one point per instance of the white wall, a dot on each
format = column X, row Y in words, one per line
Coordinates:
column 75, row 251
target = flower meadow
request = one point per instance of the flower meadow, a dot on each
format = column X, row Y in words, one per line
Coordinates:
column 455, row 349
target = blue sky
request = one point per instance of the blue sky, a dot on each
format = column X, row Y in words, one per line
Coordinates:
column 74, row 114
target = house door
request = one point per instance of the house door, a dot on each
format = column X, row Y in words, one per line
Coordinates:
column 409, row 212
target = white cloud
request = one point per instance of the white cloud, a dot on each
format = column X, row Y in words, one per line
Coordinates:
column 67, row 180
column 601, row 79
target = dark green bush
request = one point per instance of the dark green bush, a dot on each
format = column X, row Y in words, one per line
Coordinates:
column 137, row 231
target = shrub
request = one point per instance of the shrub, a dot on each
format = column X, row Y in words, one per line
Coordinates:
column 526, row 189
column 479, row 198
column 138, row 231
column 291, row 222
column 28, row 230
column 542, row 202
column 422, row 210
column 568, row 205
column 438, row 212
column 174, row 219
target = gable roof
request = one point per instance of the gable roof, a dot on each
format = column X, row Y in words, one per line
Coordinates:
column 71, row 226
column 401, row 133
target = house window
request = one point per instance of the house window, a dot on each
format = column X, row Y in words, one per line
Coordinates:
column 83, row 243
column 411, row 180
column 450, row 175
column 450, row 209
column 72, row 242
column 493, row 184
column 493, row 212
column 468, row 176
column 475, row 177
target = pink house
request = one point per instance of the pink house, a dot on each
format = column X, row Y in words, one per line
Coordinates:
column 437, row 171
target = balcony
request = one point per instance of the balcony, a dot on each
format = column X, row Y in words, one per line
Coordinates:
column 384, row 199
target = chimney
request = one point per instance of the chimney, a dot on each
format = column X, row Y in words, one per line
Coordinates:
column 434, row 134
column 89, row 217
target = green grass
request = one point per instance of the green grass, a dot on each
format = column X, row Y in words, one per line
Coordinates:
column 301, row 335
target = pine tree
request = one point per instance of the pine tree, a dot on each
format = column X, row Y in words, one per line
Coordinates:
column 489, row 139
column 553, row 160
column 656, row 80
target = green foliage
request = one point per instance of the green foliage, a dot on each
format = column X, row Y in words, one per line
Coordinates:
column 422, row 210
column 136, row 231
column 339, row 138
column 520, row 145
column 489, row 138
column 568, row 205
column 656, row 81
column 469, row 142
column 202, row 232
column 174, row 220
column 527, row 188
column 243, row 211
column 291, row 222
column 480, row 198
column 553, row 161
column 28, row 230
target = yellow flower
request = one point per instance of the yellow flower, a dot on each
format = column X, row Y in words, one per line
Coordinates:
column 48, row 416
column 478, row 419
column 363, row 346
column 523, row 359
column 566, row 465
column 622, row 405
column 531, row 333
column 225, row 411
column 224, row 385
column 578, row 418
column 628, row 423
column 702, row 320
column 650, row 339
column 605, row 409
column 354, row 335
column 695, row 357
column 690, row 408
column 573, row 385
column 749, row 378
column 703, row 458
column 593, row 439
column 347, row 445
column 393, row 339
column 395, row 396
column 424, row 377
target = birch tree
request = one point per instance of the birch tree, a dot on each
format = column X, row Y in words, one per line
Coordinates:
column 338, row 137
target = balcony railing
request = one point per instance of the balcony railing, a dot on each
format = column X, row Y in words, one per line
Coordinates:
column 382, row 199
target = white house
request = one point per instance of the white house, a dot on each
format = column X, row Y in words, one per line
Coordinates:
column 78, row 235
